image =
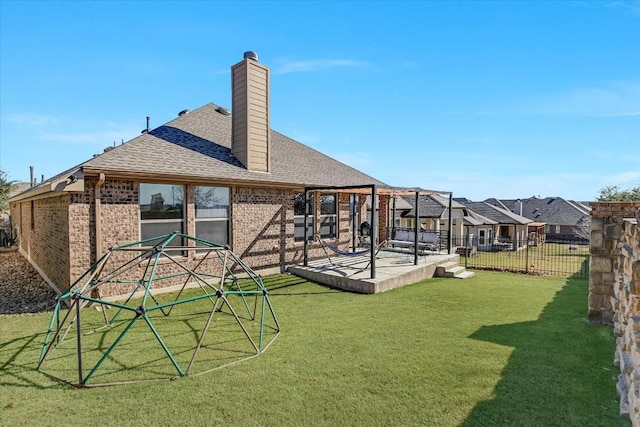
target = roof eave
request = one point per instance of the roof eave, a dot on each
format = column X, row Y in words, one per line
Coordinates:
column 52, row 188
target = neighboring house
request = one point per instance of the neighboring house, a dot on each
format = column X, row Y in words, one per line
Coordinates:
column 5, row 220
column 433, row 213
column 479, row 230
column 563, row 220
column 467, row 225
column 510, row 230
column 221, row 176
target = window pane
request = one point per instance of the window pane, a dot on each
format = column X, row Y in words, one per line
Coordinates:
column 153, row 229
column 213, row 231
column 298, row 231
column 328, row 226
column 161, row 201
column 298, row 204
column 327, row 204
column 211, row 202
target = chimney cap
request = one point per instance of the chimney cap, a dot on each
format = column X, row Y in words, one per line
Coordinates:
column 251, row 55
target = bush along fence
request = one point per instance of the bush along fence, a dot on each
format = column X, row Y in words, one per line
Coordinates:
column 614, row 291
column 561, row 258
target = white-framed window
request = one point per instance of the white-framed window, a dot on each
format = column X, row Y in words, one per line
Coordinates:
column 557, row 229
column 409, row 222
column 489, row 237
column 481, row 237
column 299, row 209
column 161, row 211
column 212, row 214
column 328, row 215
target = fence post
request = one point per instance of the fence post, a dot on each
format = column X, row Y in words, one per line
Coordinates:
column 526, row 258
column 468, row 249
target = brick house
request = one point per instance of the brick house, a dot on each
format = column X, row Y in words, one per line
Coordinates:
column 563, row 220
column 508, row 230
column 208, row 173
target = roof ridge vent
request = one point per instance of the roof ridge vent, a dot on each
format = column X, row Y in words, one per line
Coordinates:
column 223, row 111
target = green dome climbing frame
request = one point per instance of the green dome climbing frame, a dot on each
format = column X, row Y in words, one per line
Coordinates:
column 219, row 315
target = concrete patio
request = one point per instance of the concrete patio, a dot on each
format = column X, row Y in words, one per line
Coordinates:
column 393, row 270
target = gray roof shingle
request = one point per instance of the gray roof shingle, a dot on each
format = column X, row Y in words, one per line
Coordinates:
column 431, row 206
column 501, row 216
column 554, row 211
column 551, row 210
column 198, row 145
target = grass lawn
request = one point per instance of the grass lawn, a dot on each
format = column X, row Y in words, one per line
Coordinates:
column 496, row 350
column 549, row 258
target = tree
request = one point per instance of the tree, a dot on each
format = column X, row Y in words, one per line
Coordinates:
column 583, row 228
column 5, row 188
column 614, row 193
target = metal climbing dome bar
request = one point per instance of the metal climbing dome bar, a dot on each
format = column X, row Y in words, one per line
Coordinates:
column 219, row 315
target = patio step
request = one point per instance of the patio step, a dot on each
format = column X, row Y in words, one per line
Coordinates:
column 452, row 269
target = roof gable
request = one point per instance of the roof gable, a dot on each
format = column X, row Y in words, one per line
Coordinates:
column 551, row 210
column 554, row 211
column 197, row 145
column 501, row 216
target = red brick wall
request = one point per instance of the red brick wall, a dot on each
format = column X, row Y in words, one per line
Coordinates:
column 383, row 217
column 63, row 240
column 263, row 228
column 344, row 220
column 47, row 242
column 614, row 209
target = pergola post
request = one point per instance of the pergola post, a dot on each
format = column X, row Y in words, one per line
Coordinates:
column 415, row 230
column 374, row 231
column 355, row 202
column 449, row 238
column 393, row 217
column 306, row 219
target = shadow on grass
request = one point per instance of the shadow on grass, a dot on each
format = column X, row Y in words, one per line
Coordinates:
column 561, row 370
column 291, row 285
column 13, row 371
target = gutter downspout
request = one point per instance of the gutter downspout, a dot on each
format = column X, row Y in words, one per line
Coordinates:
column 98, row 213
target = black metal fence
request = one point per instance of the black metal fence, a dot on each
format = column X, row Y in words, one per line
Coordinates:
column 558, row 258
column 531, row 256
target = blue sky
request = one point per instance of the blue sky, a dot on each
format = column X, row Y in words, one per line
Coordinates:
column 485, row 99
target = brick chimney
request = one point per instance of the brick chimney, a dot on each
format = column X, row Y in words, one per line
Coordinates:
column 250, row 135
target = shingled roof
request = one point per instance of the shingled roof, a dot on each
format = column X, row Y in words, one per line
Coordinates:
column 197, row 145
column 501, row 216
column 554, row 210
column 551, row 210
column 431, row 206
column 472, row 218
